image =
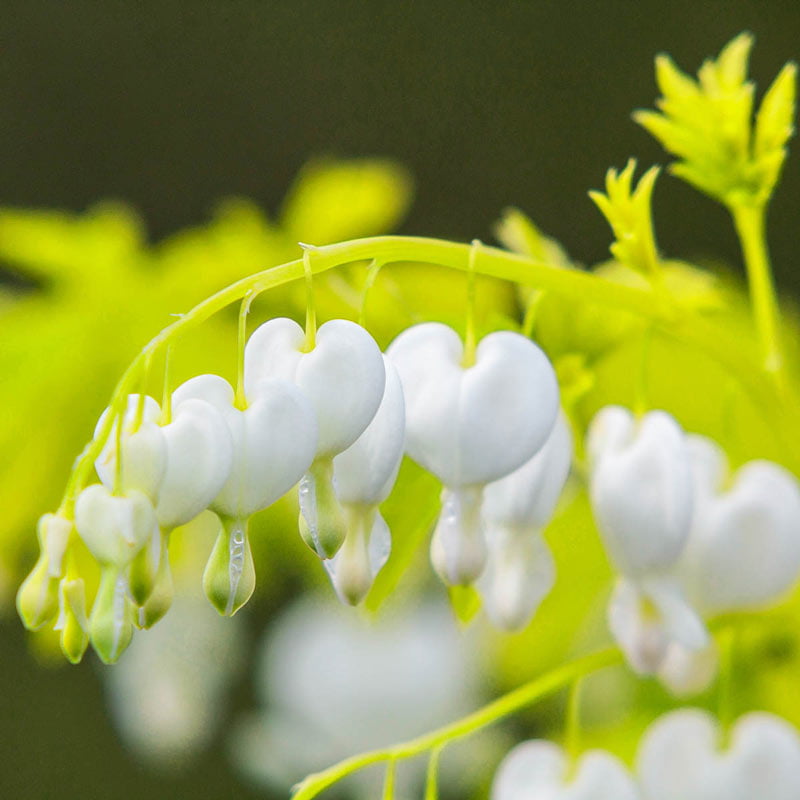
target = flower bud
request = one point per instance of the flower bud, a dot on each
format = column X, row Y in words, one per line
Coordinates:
column 114, row 528
column 541, row 770
column 162, row 593
column 230, row 576
column 470, row 425
column 641, row 488
column 744, row 548
column 322, row 522
column 72, row 622
column 37, row 598
column 680, row 758
column 111, row 621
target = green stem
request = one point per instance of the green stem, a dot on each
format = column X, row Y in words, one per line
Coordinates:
column 240, row 399
column 688, row 328
column 503, row 707
column 572, row 732
column 311, row 311
column 369, row 281
column 750, row 227
column 469, row 334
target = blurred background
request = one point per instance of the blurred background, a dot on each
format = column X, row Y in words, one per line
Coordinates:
column 160, row 111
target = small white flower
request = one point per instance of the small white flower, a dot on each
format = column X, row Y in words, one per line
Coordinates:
column 364, row 476
column 471, row 425
column 641, row 488
column 540, row 770
column 681, row 757
column 181, row 466
column 114, row 528
column 343, row 376
column 744, row 548
column 520, row 570
column 273, row 440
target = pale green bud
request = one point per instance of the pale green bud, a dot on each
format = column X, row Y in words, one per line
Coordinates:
column 73, row 623
column 111, row 624
column 160, row 599
column 230, row 576
column 322, row 521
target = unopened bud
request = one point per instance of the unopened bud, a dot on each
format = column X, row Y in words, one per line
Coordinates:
column 230, row 576
column 322, row 520
column 110, row 625
column 73, row 623
column 163, row 592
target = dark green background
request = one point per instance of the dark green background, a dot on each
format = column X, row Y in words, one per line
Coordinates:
column 170, row 105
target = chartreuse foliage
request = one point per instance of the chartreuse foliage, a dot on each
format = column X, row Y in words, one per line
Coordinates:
column 642, row 330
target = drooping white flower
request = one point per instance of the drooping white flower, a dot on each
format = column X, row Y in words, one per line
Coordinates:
column 744, row 548
column 343, row 377
column 274, row 440
column 471, row 425
column 681, row 757
column 364, row 475
column 540, row 770
column 641, row 488
column 743, row 552
column 642, row 498
column 115, row 529
column 520, row 570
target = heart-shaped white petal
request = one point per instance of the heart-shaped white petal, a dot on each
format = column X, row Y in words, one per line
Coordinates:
column 744, row 548
column 539, row 770
column 199, row 458
column 365, row 473
column 641, row 488
column 472, row 425
column 342, row 376
column 646, row 616
column 114, row 528
column 274, row 440
column 144, row 454
column 680, row 758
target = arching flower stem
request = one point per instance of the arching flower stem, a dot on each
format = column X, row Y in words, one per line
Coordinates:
column 684, row 326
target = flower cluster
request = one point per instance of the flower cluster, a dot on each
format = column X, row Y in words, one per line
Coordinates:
column 334, row 416
column 680, row 757
column 688, row 538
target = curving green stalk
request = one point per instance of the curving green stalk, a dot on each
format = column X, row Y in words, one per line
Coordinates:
column 510, row 703
column 666, row 316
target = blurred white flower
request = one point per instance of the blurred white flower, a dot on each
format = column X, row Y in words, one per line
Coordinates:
column 167, row 693
column 682, row 757
column 334, row 685
column 541, row 770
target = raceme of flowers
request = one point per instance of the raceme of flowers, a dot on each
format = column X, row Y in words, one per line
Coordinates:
column 683, row 755
column 688, row 538
column 334, row 418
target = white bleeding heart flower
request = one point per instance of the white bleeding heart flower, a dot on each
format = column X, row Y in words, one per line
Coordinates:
column 114, row 528
column 471, row 425
column 744, row 548
column 274, row 440
column 181, row 466
column 343, row 377
column 681, row 757
column 641, row 488
column 646, row 616
column 540, row 770
column 364, row 476
column 520, row 570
